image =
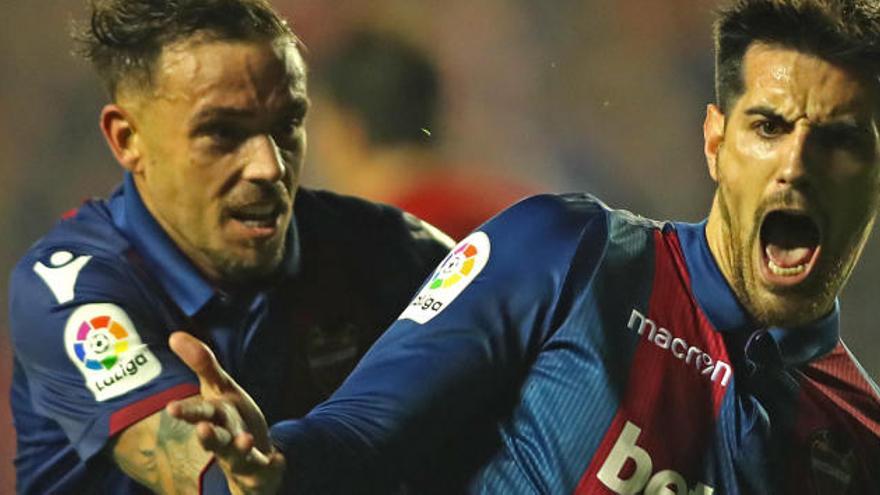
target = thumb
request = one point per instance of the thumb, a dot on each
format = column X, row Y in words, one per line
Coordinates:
column 198, row 357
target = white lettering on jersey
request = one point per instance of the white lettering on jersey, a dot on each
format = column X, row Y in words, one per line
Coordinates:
column 104, row 345
column 625, row 449
column 61, row 276
column 662, row 338
column 460, row 267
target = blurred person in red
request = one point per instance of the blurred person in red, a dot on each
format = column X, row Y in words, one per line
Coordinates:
column 377, row 136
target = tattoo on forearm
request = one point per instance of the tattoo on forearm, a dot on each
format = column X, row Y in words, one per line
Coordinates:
column 177, row 445
column 141, row 466
column 163, row 454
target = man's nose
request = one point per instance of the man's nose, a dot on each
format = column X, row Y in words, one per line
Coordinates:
column 796, row 160
column 264, row 161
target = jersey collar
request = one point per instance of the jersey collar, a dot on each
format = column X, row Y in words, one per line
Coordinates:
column 720, row 305
column 172, row 269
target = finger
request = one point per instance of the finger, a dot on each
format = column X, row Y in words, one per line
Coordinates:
column 193, row 410
column 255, row 458
column 244, row 443
column 277, row 461
column 238, row 451
column 199, row 358
column 214, row 438
column 239, row 454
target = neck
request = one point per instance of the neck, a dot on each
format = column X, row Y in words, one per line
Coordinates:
column 198, row 259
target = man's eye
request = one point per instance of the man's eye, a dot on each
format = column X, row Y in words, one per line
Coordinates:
column 289, row 126
column 770, row 128
column 287, row 133
column 224, row 135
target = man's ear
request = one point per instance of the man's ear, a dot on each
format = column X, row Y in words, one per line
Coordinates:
column 713, row 137
column 119, row 130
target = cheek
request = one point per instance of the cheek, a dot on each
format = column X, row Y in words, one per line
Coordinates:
column 753, row 149
column 748, row 169
column 856, row 203
column 848, row 170
column 736, row 179
column 210, row 173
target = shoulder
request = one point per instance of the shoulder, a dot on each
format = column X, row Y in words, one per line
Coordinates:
column 548, row 229
column 76, row 250
column 80, row 263
column 562, row 239
column 840, row 375
column 336, row 218
column 572, row 213
column 561, row 213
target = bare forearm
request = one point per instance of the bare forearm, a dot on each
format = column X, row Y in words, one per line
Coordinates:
column 163, row 454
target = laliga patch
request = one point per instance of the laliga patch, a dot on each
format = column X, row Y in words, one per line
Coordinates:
column 457, row 271
column 102, row 342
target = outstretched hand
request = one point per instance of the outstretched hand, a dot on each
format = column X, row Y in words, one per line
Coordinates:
column 228, row 422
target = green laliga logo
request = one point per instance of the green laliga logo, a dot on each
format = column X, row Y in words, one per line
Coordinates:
column 457, row 265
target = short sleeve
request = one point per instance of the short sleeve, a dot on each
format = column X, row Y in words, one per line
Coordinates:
column 91, row 343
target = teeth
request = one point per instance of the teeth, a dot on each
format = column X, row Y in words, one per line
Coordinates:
column 786, row 272
column 258, row 210
column 259, row 223
column 253, row 223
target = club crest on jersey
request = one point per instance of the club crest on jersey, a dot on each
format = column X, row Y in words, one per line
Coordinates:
column 833, row 462
column 102, row 342
column 331, row 354
column 460, row 267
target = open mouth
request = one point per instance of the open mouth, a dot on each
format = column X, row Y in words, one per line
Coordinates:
column 259, row 220
column 790, row 246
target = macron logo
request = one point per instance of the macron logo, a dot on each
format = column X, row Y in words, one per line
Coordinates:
column 62, row 273
column 692, row 355
column 661, row 482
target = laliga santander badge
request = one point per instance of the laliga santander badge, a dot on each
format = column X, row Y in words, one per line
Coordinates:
column 460, row 267
column 102, row 342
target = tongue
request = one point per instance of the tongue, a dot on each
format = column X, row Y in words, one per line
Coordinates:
column 789, row 257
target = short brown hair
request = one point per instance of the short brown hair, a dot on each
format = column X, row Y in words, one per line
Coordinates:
column 841, row 31
column 124, row 38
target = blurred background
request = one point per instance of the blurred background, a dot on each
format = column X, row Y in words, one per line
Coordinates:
column 566, row 95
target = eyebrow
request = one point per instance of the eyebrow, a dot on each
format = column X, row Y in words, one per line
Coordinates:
column 765, row 111
column 297, row 104
column 849, row 124
column 220, row 113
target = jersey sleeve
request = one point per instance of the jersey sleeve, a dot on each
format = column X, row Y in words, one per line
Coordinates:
column 453, row 359
column 92, row 346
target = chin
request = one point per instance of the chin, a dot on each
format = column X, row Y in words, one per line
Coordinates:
column 250, row 266
column 790, row 311
column 790, row 307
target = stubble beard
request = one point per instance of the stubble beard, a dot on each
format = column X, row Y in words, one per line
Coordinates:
column 788, row 307
column 240, row 270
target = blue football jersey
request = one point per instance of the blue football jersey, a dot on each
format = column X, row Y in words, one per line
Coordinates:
column 90, row 359
column 93, row 302
column 566, row 347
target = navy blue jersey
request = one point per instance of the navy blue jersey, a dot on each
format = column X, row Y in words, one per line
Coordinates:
column 569, row 348
column 93, row 302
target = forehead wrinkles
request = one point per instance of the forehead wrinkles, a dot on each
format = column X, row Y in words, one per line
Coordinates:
column 799, row 85
column 231, row 73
